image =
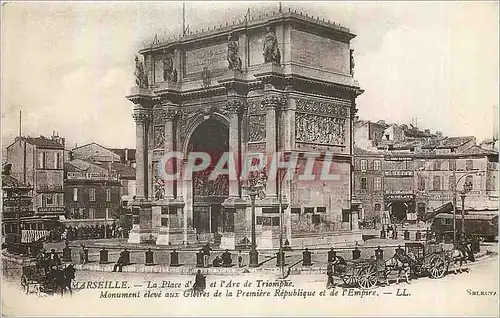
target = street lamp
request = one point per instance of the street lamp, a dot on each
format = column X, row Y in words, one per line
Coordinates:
column 467, row 189
column 281, row 175
column 253, row 189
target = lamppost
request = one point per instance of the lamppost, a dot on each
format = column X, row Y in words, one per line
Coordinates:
column 253, row 189
column 281, row 175
column 467, row 189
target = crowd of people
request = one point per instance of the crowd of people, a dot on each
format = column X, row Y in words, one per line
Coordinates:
column 85, row 232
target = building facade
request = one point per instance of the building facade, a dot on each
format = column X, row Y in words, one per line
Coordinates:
column 38, row 162
column 423, row 172
column 92, row 193
column 259, row 87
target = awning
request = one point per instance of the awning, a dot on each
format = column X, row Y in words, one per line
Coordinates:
column 445, row 208
column 475, row 216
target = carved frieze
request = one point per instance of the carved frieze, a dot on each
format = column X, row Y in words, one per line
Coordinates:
column 204, row 186
column 142, row 116
column 256, row 128
column 159, row 137
column 235, row 106
column 159, row 184
column 322, row 108
column 317, row 129
column 273, row 101
column 256, row 107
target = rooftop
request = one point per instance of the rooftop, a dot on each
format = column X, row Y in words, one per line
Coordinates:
column 254, row 20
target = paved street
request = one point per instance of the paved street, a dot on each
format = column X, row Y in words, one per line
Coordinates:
column 425, row 295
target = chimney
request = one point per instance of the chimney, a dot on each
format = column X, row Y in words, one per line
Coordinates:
column 427, row 131
column 439, row 134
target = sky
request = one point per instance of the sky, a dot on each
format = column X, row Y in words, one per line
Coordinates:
column 69, row 66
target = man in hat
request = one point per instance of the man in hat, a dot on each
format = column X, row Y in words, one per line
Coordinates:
column 54, row 259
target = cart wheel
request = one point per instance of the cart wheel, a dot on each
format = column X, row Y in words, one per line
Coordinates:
column 367, row 277
column 438, row 266
column 349, row 280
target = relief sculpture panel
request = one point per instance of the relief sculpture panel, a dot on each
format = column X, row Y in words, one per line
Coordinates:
column 338, row 109
column 256, row 128
column 159, row 137
column 317, row 129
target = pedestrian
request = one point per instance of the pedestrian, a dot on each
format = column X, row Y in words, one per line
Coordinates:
column 240, row 259
column 82, row 254
column 206, row 254
column 200, row 282
column 120, row 262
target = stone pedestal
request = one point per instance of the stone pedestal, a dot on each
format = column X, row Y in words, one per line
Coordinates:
column 163, row 236
column 265, row 239
column 236, row 205
column 228, row 241
column 134, row 237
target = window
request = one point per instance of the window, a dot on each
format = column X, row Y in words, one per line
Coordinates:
column 469, row 180
column 316, row 219
column 363, row 165
column 493, row 183
column 469, row 165
column 91, row 213
column 437, row 165
column 376, row 165
column 345, row 215
column 421, row 183
column 75, row 194
column 451, row 182
column 451, row 164
column 445, row 184
column 108, row 195
column 275, row 221
column 47, row 199
column 308, row 210
column 436, row 183
column 107, row 214
column 41, row 160
column 445, row 165
column 91, row 194
column 295, row 210
column 57, row 160
column 321, row 209
column 377, row 183
column 421, row 208
column 377, row 207
column 363, row 184
column 443, row 221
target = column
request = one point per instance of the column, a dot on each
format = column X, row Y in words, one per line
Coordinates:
column 271, row 103
column 233, row 108
column 141, row 117
column 168, row 116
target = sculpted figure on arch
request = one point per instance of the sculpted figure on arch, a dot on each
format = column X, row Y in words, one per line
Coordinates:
column 271, row 50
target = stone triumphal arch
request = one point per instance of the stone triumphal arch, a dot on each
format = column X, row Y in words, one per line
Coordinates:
column 279, row 83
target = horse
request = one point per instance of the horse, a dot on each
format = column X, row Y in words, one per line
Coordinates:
column 63, row 278
column 401, row 263
column 461, row 254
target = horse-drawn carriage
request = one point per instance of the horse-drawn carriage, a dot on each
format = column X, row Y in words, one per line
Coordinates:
column 418, row 259
column 48, row 281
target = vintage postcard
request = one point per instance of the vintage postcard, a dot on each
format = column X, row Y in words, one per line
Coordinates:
column 250, row 158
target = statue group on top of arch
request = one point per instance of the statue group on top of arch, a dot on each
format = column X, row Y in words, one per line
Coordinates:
column 271, row 48
column 141, row 79
column 233, row 57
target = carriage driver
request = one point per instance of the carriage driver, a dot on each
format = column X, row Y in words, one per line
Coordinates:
column 54, row 259
column 41, row 260
column 400, row 255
